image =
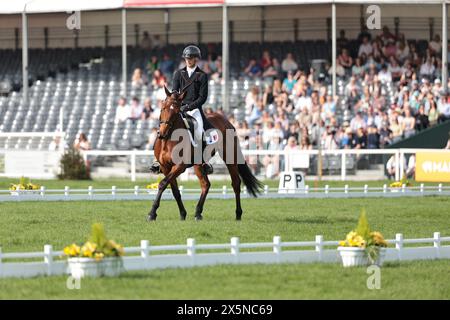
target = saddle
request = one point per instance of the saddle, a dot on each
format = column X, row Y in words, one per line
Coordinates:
column 190, row 123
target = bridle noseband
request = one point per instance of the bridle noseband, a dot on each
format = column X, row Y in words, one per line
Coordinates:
column 169, row 124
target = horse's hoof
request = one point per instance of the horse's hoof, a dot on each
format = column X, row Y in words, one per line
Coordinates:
column 238, row 218
column 182, row 218
column 151, row 218
column 198, row 217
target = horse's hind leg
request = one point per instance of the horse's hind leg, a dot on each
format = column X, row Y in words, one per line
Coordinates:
column 177, row 196
column 236, row 184
column 205, row 185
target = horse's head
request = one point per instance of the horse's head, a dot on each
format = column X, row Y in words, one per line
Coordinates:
column 169, row 111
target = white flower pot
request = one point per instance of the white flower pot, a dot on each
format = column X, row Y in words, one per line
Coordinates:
column 355, row 256
column 88, row 267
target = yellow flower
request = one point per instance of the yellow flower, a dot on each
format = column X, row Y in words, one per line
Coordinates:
column 72, row 251
column 88, row 249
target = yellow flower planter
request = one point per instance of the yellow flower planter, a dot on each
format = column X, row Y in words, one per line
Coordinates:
column 90, row 267
column 357, row 256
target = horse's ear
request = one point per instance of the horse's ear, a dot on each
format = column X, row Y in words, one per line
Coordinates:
column 168, row 93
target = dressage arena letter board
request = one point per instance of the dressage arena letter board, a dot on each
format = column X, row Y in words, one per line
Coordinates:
column 291, row 182
column 433, row 166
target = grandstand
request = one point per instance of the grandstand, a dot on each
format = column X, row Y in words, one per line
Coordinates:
column 76, row 89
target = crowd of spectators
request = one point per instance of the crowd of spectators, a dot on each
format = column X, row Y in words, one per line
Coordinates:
column 295, row 108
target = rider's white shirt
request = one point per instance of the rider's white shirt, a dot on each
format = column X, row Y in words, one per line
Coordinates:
column 190, row 70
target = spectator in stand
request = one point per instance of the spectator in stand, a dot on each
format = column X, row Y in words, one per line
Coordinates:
column 444, row 108
column 386, row 35
column 422, row 121
column 167, row 66
column 396, row 129
column 357, row 69
column 427, row 69
column 346, row 61
column 157, row 42
column 136, row 109
column 342, row 42
column 81, row 143
column 251, row 100
column 433, row 114
column 361, row 139
column 289, row 82
column 273, row 70
column 148, row 110
column 137, row 80
column 365, row 48
column 373, row 137
column 392, row 164
column 152, row 66
column 305, row 144
column 408, row 123
column 358, row 122
column 394, row 69
column 146, row 42
column 384, row 75
column 123, row 111
column 435, row 45
column 159, row 80
column 253, row 69
column 289, row 64
column 266, row 60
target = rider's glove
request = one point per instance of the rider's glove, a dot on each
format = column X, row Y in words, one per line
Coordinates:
column 184, row 108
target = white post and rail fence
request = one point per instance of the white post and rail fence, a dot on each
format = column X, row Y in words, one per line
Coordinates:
column 147, row 257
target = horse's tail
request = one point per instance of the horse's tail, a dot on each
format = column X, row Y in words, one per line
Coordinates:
column 253, row 185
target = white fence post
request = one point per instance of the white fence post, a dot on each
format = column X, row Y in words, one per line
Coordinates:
column 266, row 189
column 113, row 191
column 327, row 187
column 181, row 189
column 399, row 245
column 384, row 188
column 403, row 188
column 346, row 189
column 437, row 243
column 1, row 266
column 235, row 249
column 366, row 188
column 42, row 191
column 145, row 252
column 306, row 189
column 319, row 246
column 224, row 191
column 421, row 188
column 66, row 191
column 440, row 187
column 136, row 190
column 90, row 191
column 191, row 249
column 48, row 258
column 277, row 247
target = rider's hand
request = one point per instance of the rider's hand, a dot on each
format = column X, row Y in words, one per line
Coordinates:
column 184, row 108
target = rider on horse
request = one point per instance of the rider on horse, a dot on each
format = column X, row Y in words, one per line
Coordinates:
column 195, row 81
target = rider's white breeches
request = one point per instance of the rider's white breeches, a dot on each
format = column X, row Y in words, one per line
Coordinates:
column 199, row 126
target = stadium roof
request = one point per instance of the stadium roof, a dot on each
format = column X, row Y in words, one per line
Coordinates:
column 43, row 6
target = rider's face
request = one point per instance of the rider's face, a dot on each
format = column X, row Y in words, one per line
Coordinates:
column 191, row 62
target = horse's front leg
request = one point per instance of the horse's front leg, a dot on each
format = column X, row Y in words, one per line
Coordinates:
column 177, row 196
column 173, row 174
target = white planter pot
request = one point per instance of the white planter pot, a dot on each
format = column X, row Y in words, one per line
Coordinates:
column 88, row 267
column 354, row 256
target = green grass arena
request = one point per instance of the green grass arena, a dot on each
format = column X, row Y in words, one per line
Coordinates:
column 28, row 226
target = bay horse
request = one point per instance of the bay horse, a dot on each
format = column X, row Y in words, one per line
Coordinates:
column 171, row 120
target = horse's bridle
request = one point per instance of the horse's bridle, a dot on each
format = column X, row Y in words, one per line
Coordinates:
column 169, row 124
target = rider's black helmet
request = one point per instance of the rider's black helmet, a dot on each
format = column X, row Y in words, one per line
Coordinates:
column 191, row 52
